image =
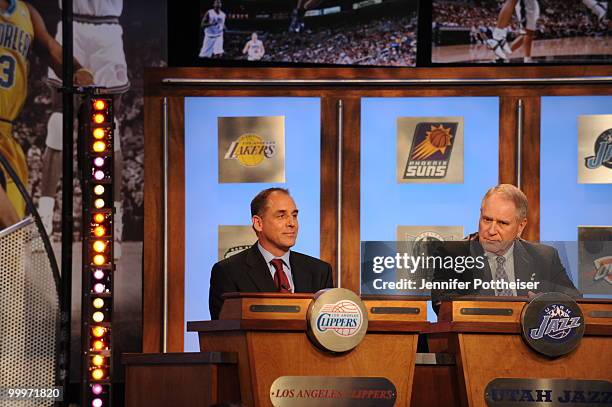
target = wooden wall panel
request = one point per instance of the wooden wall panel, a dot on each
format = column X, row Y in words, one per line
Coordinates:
column 351, row 194
column 329, row 183
column 530, row 171
column 153, row 228
column 153, row 278
column 176, row 225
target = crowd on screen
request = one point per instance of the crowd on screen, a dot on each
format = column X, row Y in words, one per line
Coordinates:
column 558, row 19
column 389, row 41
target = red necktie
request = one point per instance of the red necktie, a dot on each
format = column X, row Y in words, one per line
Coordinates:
column 280, row 278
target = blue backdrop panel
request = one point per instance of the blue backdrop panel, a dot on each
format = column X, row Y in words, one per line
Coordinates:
column 209, row 204
column 386, row 204
column 565, row 204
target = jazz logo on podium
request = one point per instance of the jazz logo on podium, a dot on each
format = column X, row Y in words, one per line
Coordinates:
column 431, row 150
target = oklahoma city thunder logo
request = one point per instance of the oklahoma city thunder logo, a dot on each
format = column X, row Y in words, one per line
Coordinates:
column 556, row 323
column 343, row 317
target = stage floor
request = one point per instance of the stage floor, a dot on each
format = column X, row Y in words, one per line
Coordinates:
column 577, row 49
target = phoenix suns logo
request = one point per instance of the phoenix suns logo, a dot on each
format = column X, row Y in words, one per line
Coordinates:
column 431, row 150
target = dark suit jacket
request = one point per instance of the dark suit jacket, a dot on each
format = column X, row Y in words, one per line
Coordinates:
column 532, row 262
column 247, row 271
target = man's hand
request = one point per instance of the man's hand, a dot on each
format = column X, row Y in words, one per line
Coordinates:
column 83, row 77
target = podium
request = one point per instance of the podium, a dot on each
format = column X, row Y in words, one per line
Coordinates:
column 268, row 333
column 485, row 336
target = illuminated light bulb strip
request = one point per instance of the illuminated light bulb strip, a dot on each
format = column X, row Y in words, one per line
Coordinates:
column 96, row 129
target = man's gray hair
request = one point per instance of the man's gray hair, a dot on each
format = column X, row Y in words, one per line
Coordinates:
column 513, row 194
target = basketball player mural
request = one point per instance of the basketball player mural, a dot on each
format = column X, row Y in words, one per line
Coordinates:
column 98, row 42
column 213, row 24
column 254, row 48
column 20, row 24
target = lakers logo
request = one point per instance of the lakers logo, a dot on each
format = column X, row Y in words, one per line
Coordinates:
column 250, row 150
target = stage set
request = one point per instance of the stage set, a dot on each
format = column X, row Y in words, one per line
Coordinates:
column 306, row 203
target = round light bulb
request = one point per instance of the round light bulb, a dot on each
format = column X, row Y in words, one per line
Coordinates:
column 98, row 118
column 99, row 175
column 98, row 161
column 99, row 288
column 98, row 316
column 96, row 389
column 98, row 345
column 99, row 231
column 98, row 303
column 99, row 104
column 99, row 217
column 98, row 331
column 97, row 360
column 98, row 274
column 96, row 403
column 97, row 374
column 98, row 189
column 98, row 133
column 99, row 203
column 99, row 246
column 99, row 260
column 99, row 146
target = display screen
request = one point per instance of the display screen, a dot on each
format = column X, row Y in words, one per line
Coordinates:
column 331, row 32
column 521, row 31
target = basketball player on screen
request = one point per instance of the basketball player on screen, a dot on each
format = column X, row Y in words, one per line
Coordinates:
column 600, row 9
column 254, row 48
column 213, row 24
column 529, row 11
column 21, row 24
column 297, row 16
column 98, row 42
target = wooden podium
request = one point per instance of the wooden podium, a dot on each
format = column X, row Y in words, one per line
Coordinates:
column 268, row 334
column 485, row 336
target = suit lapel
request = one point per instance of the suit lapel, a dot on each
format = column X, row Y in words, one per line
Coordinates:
column 485, row 273
column 523, row 264
column 258, row 270
column 300, row 276
column 475, row 251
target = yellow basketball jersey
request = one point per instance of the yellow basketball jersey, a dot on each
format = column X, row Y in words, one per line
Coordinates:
column 16, row 36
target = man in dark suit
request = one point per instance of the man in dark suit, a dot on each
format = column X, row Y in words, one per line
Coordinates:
column 269, row 265
column 505, row 256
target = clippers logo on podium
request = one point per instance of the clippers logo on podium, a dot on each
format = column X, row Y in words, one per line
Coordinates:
column 430, row 149
column 337, row 320
column 343, row 317
column 552, row 324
